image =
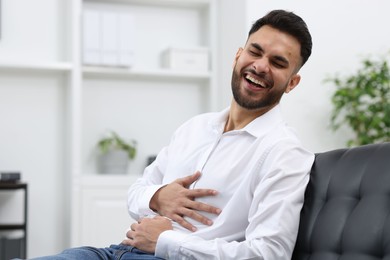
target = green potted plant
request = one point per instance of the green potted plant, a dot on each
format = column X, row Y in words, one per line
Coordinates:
column 362, row 102
column 115, row 153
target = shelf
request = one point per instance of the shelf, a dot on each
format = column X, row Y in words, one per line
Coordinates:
column 145, row 74
column 12, row 185
column 12, row 226
column 169, row 3
column 106, row 180
column 38, row 66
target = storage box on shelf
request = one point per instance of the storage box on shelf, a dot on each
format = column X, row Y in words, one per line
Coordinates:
column 108, row 38
column 186, row 59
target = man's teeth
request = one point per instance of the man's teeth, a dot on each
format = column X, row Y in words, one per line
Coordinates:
column 255, row 81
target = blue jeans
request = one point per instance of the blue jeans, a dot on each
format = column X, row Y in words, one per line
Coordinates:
column 114, row 252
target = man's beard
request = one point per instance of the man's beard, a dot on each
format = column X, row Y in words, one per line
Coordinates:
column 269, row 100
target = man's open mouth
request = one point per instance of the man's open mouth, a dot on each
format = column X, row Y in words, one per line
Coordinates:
column 256, row 82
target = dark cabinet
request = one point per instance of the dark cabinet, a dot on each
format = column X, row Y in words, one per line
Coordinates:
column 14, row 247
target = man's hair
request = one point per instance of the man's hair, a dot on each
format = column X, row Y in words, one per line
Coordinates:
column 289, row 23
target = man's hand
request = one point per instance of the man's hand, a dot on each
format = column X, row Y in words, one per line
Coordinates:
column 144, row 234
column 176, row 201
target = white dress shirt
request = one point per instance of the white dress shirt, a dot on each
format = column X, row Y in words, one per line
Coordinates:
column 260, row 173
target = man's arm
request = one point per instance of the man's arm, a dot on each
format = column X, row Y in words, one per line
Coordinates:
column 174, row 200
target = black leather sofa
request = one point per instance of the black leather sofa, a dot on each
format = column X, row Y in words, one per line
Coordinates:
column 346, row 213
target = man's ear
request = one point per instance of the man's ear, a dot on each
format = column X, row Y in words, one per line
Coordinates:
column 238, row 53
column 294, row 81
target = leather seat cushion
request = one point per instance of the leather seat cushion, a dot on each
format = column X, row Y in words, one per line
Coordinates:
column 346, row 214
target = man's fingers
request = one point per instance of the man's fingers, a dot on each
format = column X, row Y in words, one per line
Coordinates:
column 198, row 193
column 130, row 231
column 190, row 213
column 197, row 216
column 127, row 242
column 129, row 234
column 199, row 206
column 182, row 222
column 188, row 180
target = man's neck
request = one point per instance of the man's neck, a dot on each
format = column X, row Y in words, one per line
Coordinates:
column 240, row 117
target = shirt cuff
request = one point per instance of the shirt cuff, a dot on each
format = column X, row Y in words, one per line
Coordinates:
column 168, row 244
column 144, row 208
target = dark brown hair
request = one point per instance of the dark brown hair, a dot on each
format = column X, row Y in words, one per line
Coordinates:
column 290, row 23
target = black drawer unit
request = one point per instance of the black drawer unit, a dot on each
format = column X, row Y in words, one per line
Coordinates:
column 14, row 247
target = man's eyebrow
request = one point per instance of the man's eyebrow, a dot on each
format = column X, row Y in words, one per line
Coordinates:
column 257, row 46
column 277, row 57
column 282, row 59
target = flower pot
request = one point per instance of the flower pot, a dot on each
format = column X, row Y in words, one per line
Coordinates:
column 113, row 162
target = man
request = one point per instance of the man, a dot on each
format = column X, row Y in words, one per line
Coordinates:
column 251, row 164
column 244, row 197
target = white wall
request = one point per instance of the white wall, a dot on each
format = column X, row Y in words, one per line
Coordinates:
column 33, row 30
column 32, row 140
column 343, row 33
column 231, row 35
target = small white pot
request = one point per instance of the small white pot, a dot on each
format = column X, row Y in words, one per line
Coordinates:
column 113, row 162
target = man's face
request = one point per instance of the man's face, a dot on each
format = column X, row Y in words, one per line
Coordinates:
column 265, row 68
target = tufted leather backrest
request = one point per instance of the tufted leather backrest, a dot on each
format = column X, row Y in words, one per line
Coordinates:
column 346, row 214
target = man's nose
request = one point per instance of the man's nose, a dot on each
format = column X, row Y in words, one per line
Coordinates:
column 261, row 65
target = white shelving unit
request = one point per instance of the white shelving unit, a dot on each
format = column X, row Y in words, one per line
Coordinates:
column 89, row 72
column 55, row 108
column 137, row 102
column 145, row 102
column 40, row 67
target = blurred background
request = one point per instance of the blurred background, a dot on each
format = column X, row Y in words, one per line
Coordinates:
column 72, row 71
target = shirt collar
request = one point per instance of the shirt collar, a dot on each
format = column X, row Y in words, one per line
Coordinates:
column 257, row 127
